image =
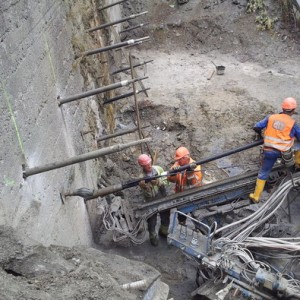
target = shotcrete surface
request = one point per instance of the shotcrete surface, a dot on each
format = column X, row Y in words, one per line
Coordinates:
column 184, row 107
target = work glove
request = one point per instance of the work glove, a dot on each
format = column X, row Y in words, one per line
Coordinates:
column 258, row 137
column 143, row 185
column 193, row 166
column 258, row 134
column 175, row 168
column 155, row 182
column 174, row 171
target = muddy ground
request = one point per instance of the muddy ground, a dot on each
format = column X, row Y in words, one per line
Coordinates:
column 190, row 105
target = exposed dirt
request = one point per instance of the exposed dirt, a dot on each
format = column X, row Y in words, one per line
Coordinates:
column 208, row 115
column 31, row 271
column 183, row 108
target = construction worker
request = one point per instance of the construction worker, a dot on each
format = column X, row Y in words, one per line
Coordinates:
column 280, row 130
column 153, row 190
column 186, row 179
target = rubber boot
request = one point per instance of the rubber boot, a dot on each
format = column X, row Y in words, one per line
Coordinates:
column 297, row 160
column 153, row 238
column 260, row 184
column 163, row 231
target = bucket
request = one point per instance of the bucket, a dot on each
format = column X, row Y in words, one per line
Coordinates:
column 220, row 70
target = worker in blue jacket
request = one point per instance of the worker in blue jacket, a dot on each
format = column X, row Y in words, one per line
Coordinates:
column 280, row 131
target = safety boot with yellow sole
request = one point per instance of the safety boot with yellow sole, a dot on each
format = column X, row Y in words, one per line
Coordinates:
column 260, row 184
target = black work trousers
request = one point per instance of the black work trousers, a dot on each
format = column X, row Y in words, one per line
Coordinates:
column 164, row 215
column 164, row 220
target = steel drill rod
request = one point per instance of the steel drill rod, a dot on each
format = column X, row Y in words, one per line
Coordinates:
column 99, row 90
column 110, row 100
column 82, row 157
column 105, row 191
column 117, row 22
column 89, row 194
column 137, row 111
column 110, row 5
column 118, row 187
column 132, row 45
column 128, row 68
column 109, row 136
column 215, row 157
column 133, row 27
column 131, row 42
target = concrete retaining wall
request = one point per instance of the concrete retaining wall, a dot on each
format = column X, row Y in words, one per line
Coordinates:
column 37, row 65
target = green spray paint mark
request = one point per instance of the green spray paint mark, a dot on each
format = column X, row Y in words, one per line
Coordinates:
column 50, row 58
column 6, row 96
column 8, row 182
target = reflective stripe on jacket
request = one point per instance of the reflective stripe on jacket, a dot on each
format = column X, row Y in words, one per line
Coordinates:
column 277, row 133
column 186, row 179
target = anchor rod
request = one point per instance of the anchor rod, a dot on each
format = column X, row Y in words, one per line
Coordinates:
column 132, row 45
column 118, row 133
column 128, row 68
column 114, row 46
column 110, row 100
column 110, row 5
column 109, row 136
column 83, row 157
column 117, row 22
column 133, row 27
column 99, row 90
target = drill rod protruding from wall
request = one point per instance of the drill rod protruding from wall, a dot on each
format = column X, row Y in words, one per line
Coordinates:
column 110, row 5
column 99, row 90
column 119, row 133
column 117, row 22
column 82, row 157
column 110, row 100
column 114, row 46
column 131, row 28
column 134, row 66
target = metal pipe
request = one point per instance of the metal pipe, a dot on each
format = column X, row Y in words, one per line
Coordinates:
column 233, row 151
column 137, row 111
column 133, row 27
column 128, row 68
column 114, row 46
column 107, row 101
column 206, row 160
column 99, row 90
column 109, row 136
column 132, row 45
column 82, row 157
column 148, row 147
column 117, row 22
column 110, row 5
column 122, row 132
column 102, row 192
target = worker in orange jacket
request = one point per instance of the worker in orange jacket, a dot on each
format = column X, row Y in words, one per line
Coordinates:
column 280, row 131
column 188, row 178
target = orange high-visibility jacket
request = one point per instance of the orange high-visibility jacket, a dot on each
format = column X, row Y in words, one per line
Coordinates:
column 277, row 133
column 186, row 179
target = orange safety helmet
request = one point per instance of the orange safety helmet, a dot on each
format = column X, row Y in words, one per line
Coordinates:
column 181, row 152
column 289, row 104
column 144, row 160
